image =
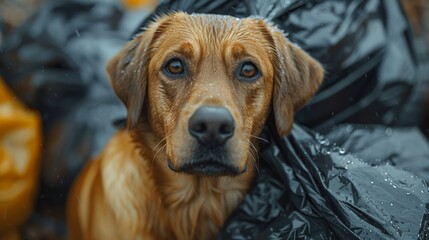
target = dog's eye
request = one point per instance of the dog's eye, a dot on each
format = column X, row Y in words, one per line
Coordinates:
column 248, row 72
column 175, row 67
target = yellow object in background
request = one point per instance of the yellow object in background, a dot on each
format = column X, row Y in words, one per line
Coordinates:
column 136, row 4
column 20, row 144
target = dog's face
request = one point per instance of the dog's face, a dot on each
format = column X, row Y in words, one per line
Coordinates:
column 207, row 83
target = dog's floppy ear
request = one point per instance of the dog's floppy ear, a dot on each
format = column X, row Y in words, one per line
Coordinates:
column 296, row 79
column 128, row 70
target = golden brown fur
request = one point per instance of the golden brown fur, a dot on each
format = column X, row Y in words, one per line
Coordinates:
column 129, row 192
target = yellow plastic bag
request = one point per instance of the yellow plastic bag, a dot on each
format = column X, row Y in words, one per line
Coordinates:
column 136, row 4
column 20, row 144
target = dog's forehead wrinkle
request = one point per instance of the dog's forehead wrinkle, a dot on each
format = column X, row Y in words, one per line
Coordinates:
column 210, row 26
column 212, row 33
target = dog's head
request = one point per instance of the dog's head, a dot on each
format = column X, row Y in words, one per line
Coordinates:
column 207, row 83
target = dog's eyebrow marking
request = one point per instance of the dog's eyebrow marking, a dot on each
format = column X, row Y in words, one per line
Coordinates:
column 188, row 50
column 238, row 50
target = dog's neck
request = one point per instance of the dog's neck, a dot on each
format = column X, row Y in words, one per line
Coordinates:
column 198, row 204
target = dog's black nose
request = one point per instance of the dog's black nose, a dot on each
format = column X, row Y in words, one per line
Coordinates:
column 211, row 126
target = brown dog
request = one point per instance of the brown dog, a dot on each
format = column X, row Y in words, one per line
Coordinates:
column 198, row 89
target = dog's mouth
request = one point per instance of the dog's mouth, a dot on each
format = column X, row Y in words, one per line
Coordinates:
column 208, row 167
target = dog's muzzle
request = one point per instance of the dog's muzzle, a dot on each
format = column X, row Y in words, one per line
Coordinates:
column 211, row 127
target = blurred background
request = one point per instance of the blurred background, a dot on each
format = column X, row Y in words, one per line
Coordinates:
column 46, row 99
column 57, row 109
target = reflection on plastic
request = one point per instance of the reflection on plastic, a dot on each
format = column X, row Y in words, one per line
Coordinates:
column 311, row 188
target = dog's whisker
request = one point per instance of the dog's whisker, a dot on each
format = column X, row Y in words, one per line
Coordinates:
column 251, row 145
column 159, row 150
column 254, row 162
column 154, row 148
column 253, row 150
column 163, row 139
column 263, row 139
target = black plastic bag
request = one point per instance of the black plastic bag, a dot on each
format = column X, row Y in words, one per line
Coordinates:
column 404, row 148
column 308, row 187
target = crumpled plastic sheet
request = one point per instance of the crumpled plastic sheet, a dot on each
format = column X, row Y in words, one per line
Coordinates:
column 404, row 148
column 311, row 187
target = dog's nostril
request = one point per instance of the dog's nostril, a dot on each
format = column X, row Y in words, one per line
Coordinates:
column 199, row 128
column 226, row 128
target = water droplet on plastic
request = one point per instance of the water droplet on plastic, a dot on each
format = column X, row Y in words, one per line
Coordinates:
column 324, row 142
column 389, row 131
column 349, row 128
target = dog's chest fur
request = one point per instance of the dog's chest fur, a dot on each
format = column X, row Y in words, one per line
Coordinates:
column 197, row 207
column 157, row 203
